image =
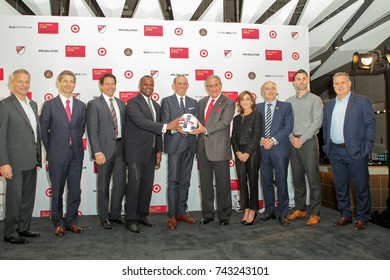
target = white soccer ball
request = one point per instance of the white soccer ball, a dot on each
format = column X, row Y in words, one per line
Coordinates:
column 188, row 123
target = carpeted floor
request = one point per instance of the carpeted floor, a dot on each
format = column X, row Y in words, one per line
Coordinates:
column 264, row 240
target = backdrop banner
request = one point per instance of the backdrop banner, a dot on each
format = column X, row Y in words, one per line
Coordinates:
column 243, row 55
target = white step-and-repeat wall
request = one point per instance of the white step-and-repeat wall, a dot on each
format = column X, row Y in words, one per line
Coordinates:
column 243, row 55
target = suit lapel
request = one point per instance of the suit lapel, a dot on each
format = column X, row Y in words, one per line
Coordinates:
column 145, row 105
column 121, row 110
column 351, row 103
column 20, row 109
column 218, row 105
column 104, row 105
column 61, row 109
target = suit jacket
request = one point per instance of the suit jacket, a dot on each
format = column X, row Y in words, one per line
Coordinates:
column 57, row 130
column 282, row 125
column 18, row 146
column 217, row 140
column 100, row 126
column 140, row 130
column 170, row 110
column 359, row 126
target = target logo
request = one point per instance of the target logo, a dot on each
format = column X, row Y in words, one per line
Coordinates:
column 79, row 213
column 48, row 96
column 156, row 188
column 128, row 74
column 295, row 55
column 232, row 163
column 228, row 75
column 273, row 34
column 204, row 53
column 49, row 192
column 178, row 31
column 75, row 28
column 155, row 96
column 102, row 51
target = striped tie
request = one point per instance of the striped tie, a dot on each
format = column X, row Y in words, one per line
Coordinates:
column 182, row 110
column 113, row 113
column 267, row 129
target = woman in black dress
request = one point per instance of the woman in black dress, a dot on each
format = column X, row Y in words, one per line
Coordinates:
column 246, row 148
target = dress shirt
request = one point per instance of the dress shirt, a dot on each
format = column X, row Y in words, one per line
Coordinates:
column 338, row 118
column 30, row 115
column 117, row 111
column 273, row 105
column 63, row 100
column 164, row 129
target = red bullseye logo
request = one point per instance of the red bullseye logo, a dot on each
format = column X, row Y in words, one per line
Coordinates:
column 128, row 74
column 254, row 96
column 49, row 192
column 232, row 163
column 204, row 53
column 228, row 75
column 295, row 55
column 178, row 31
column 273, row 34
column 102, row 51
column 75, row 28
column 156, row 188
column 48, row 96
column 155, row 96
column 79, row 213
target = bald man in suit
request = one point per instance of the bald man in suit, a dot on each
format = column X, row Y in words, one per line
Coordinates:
column 20, row 155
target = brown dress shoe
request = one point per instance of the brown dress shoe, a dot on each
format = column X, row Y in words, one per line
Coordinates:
column 297, row 214
column 342, row 222
column 313, row 220
column 75, row 229
column 59, row 231
column 360, row 224
column 172, row 223
column 186, row 219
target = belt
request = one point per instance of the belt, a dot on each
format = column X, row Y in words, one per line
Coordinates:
column 342, row 145
column 118, row 139
column 297, row 136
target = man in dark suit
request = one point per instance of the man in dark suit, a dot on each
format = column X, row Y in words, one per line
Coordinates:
column 105, row 124
column 349, row 132
column 143, row 149
column 277, row 125
column 63, row 120
column 181, row 150
column 214, row 151
column 20, row 155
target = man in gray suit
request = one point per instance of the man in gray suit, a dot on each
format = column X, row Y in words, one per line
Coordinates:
column 20, row 155
column 181, row 150
column 105, row 124
column 214, row 151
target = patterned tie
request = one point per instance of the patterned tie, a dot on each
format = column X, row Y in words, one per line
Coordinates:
column 151, row 109
column 113, row 114
column 267, row 129
column 182, row 110
column 68, row 111
column 211, row 105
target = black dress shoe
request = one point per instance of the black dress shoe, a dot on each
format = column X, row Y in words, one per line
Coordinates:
column 283, row 221
column 29, row 234
column 205, row 221
column 267, row 217
column 146, row 222
column 134, row 228
column 117, row 221
column 223, row 222
column 15, row 240
column 107, row 224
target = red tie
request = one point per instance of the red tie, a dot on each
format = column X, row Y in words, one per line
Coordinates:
column 211, row 105
column 68, row 111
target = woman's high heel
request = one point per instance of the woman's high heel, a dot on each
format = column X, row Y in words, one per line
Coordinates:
column 253, row 221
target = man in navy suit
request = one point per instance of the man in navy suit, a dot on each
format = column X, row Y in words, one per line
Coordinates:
column 181, row 150
column 63, row 121
column 277, row 125
column 143, row 149
column 349, row 132
column 20, row 156
column 105, row 125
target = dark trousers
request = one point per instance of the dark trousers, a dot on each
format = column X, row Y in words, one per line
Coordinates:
column 179, row 176
column 68, row 171
column 19, row 201
column 269, row 164
column 304, row 161
column 248, row 177
column 110, row 207
column 139, row 190
column 344, row 169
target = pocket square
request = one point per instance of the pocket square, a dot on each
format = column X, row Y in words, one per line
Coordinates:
column 218, row 110
column 191, row 108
